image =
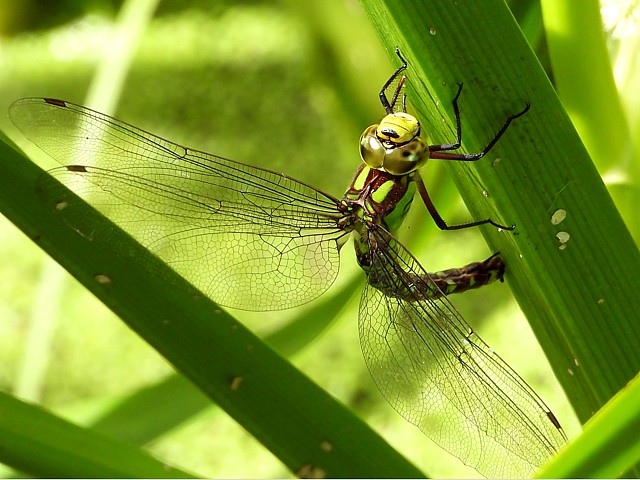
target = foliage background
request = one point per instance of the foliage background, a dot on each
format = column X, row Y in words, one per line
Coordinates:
column 219, row 78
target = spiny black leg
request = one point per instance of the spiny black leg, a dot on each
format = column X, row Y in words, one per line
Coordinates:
column 442, row 225
column 437, row 150
column 456, row 112
column 510, row 119
column 396, row 94
column 388, row 106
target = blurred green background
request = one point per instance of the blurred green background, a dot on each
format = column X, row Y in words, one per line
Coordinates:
column 282, row 84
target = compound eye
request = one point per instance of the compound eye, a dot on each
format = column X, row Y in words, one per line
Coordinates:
column 372, row 151
column 407, row 158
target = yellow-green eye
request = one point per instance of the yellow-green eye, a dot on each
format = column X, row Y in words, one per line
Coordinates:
column 372, row 151
column 406, row 158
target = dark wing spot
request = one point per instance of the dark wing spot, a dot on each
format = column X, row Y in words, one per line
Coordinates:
column 57, row 103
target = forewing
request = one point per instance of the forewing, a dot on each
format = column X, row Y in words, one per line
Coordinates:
column 439, row 375
column 249, row 238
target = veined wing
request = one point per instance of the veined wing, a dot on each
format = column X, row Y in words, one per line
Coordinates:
column 247, row 237
column 439, row 375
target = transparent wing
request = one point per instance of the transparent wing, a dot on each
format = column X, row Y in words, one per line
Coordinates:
column 249, row 238
column 439, row 375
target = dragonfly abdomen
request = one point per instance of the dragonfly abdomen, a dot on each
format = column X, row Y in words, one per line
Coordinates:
column 414, row 287
column 473, row 275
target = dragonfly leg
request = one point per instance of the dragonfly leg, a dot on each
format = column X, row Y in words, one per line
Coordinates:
column 456, row 111
column 439, row 151
column 442, row 225
column 388, row 106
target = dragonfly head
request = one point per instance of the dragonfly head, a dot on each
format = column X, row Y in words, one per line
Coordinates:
column 394, row 145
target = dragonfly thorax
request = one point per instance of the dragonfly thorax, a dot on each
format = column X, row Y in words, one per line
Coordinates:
column 394, row 145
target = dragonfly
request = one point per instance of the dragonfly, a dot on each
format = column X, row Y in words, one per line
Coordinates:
column 255, row 239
